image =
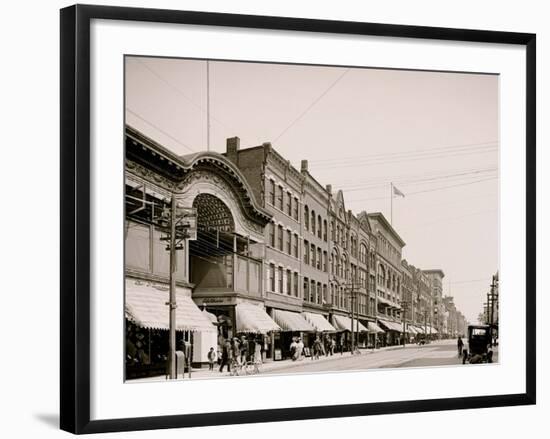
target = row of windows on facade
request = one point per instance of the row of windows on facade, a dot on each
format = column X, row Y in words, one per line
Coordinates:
column 288, row 203
column 387, row 249
column 388, row 280
column 313, row 222
column 286, row 241
column 287, row 282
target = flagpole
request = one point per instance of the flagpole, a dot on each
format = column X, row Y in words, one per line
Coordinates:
column 391, row 203
column 207, row 105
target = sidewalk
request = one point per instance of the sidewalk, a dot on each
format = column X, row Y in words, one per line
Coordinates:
column 270, row 365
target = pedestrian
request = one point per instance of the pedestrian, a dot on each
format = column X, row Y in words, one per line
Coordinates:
column 332, row 345
column 235, row 350
column 299, row 348
column 244, row 349
column 341, row 344
column 293, row 346
column 258, row 351
column 460, row 345
column 317, row 348
column 211, row 358
column 226, row 356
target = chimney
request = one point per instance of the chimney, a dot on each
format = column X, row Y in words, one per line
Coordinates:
column 232, row 148
column 304, row 165
column 329, row 188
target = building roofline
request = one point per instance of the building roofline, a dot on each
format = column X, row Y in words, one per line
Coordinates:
column 380, row 216
column 189, row 161
column 434, row 271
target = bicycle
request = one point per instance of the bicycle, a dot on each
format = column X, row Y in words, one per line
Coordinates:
column 247, row 368
column 236, row 368
column 251, row 368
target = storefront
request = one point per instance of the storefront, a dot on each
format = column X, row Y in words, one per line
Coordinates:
column 147, row 325
column 343, row 325
column 245, row 320
column 373, row 332
column 394, row 332
column 293, row 325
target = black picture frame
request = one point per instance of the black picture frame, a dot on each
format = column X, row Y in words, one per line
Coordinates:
column 75, row 217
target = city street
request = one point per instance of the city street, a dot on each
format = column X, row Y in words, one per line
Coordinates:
column 439, row 353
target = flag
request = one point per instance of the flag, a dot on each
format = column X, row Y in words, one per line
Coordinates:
column 398, row 192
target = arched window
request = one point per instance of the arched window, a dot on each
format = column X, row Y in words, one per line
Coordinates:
column 325, row 232
column 363, row 253
column 345, row 265
column 319, row 227
column 381, row 275
column 306, row 217
column 313, row 222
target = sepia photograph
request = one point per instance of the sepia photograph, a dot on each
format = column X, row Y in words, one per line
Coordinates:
column 295, row 219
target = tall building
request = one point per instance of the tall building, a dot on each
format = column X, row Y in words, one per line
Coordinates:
column 263, row 250
column 296, row 244
column 436, row 279
column 219, row 226
column 389, row 246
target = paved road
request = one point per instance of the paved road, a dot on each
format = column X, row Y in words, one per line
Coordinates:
column 443, row 353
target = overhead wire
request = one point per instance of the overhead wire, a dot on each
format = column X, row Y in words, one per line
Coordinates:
column 160, row 130
column 428, row 190
column 465, row 146
column 310, row 106
column 419, row 181
column 435, row 156
column 186, row 97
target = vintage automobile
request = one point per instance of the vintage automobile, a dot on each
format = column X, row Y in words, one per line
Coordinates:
column 479, row 345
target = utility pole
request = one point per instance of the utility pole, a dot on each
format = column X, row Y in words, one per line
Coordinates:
column 175, row 232
column 172, row 303
column 352, row 328
column 178, row 233
column 405, row 307
column 425, row 323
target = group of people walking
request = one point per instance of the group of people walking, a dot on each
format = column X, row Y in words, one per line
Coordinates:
column 326, row 346
column 235, row 350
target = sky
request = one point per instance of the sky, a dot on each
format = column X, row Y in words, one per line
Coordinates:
column 433, row 135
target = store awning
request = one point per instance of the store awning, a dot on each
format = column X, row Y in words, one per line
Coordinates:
column 253, row 319
column 146, row 306
column 343, row 323
column 392, row 326
column 319, row 322
column 419, row 330
column 432, row 329
column 291, row 321
column 412, row 330
column 210, row 317
column 373, row 327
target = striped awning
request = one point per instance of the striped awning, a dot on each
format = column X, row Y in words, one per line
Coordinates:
column 392, row 326
column 319, row 322
column 291, row 321
column 210, row 317
column 419, row 329
column 373, row 327
column 253, row 319
column 145, row 305
column 343, row 323
column 412, row 330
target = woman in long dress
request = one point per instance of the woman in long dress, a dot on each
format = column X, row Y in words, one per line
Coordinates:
column 258, row 352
